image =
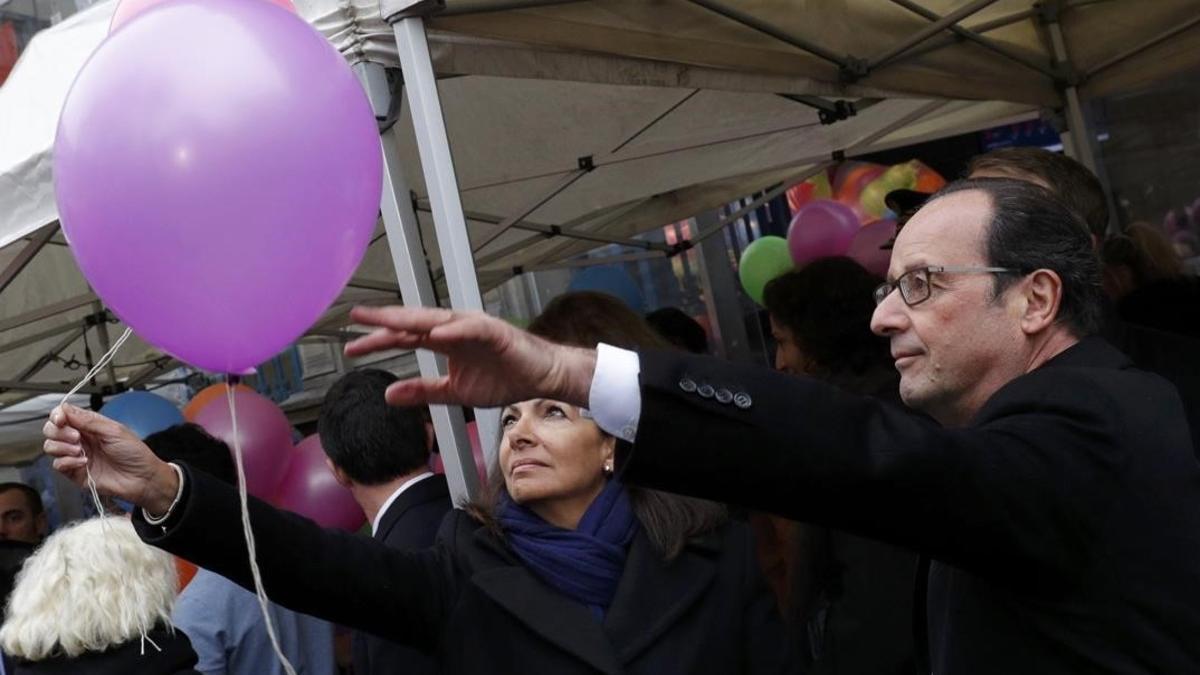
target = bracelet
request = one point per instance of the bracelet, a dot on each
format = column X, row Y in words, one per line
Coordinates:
column 170, row 509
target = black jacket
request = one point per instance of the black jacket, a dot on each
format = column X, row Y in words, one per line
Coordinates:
column 176, row 658
column 410, row 524
column 1064, row 521
column 473, row 605
column 1170, row 355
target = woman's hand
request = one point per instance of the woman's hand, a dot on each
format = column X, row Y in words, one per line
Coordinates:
column 121, row 464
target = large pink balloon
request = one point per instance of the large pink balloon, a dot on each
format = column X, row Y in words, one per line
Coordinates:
column 820, row 229
column 866, row 246
column 127, row 9
column 264, row 432
column 218, row 174
column 309, row 489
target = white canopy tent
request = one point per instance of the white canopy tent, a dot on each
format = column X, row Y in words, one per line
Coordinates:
column 573, row 124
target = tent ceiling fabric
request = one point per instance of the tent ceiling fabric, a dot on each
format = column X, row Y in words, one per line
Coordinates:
column 678, row 107
column 679, row 43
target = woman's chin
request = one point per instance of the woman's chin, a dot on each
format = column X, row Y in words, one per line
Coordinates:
column 525, row 490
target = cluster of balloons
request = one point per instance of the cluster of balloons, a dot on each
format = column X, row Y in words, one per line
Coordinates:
column 839, row 214
column 196, row 198
column 293, row 477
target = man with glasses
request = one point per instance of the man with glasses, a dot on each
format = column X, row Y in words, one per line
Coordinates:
column 1056, row 491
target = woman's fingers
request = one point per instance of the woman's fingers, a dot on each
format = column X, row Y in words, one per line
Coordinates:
column 90, row 422
column 61, row 449
column 60, row 433
column 65, row 464
column 73, row 468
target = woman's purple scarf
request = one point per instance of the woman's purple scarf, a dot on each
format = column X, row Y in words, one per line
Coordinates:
column 585, row 563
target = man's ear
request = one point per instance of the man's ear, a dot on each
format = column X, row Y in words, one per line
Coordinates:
column 1042, row 299
column 429, row 436
column 338, row 475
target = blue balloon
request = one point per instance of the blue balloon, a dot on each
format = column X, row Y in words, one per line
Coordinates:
column 613, row 280
column 144, row 413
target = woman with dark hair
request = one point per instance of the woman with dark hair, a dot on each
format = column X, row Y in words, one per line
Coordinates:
column 560, row 570
column 840, row 591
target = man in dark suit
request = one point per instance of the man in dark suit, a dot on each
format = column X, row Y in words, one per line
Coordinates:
column 1174, row 356
column 1056, row 492
column 381, row 454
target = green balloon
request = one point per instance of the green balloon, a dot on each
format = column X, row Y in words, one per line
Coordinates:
column 763, row 260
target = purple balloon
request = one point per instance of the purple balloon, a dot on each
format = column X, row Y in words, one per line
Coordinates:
column 264, row 432
column 820, row 229
column 866, row 246
column 218, row 175
column 309, row 489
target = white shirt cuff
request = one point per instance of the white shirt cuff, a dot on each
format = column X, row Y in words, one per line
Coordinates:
column 615, row 399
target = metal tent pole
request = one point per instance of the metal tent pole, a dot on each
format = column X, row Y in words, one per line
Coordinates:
column 433, row 146
column 416, row 289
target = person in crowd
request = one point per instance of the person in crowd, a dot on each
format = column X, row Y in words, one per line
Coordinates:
column 95, row 600
column 561, row 569
column 381, row 454
column 679, row 329
column 224, row 621
column 1053, row 483
column 1173, row 356
column 842, row 590
column 1146, row 279
column 22, row 515
column 1139, row 257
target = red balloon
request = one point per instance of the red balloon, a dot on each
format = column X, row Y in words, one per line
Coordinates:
column 264, row 433
column 800, row 194
column 309, row 489
column 127, row 9
column 437, row 466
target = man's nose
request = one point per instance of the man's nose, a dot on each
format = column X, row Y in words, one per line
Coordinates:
column 891, row 315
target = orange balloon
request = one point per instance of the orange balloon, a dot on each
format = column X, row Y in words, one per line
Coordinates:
column 187, row 571
column 928, row 180
column 206, row 396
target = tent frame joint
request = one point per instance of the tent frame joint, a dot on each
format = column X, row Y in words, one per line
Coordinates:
column 1048, row 11
column 586, row 163
column 394, row 11
column 853, row 69
column 681, row 246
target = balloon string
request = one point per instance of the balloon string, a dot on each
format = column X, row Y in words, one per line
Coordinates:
column 108, row 356
column 258, row 585
column 91, row 481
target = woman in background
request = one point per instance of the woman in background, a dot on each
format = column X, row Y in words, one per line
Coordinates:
column 95, row 600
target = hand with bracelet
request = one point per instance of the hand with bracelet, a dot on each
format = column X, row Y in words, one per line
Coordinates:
column 121, row 464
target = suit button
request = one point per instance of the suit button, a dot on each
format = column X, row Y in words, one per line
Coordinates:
column 705, row 391
column 687, row 385
column 742, row 400
column 724, row 396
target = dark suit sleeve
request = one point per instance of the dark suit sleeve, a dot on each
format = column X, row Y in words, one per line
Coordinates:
column 348, row 579
column 1028, row 485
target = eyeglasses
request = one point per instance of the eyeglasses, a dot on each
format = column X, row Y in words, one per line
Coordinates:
column 915, row 287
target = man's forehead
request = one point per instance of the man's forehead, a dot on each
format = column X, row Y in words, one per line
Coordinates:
column 946, row 230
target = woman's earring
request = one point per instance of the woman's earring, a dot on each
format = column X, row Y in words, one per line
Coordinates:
column 608, row 468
